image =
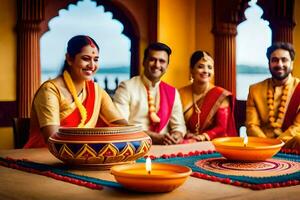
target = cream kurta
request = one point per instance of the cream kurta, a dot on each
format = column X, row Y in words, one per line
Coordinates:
column 131, row 100
column 257, row 118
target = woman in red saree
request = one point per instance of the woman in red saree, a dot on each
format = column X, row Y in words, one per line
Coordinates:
column 208, row 109
column 72, row 99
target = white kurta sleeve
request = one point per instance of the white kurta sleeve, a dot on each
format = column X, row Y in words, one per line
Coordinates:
column 121, row 99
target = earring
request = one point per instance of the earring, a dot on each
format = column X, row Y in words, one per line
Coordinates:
column 191, row 78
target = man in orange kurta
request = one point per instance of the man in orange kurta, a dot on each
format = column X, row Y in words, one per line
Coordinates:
column 273, row 105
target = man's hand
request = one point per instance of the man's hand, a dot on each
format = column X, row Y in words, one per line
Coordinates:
column 156, row 137
column 173, row 138
column 166, row 139
column 198, row 138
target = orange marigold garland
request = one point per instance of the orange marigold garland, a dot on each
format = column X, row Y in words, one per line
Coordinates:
column 151, row 106
column 276, row 122
column 71, row 88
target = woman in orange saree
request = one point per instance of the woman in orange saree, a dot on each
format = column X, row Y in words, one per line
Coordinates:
column 72, row 99
column 208, row 109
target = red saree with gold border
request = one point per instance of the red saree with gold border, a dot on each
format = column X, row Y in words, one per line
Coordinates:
column 209, row 107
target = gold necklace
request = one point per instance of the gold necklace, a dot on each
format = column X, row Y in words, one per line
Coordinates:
column 197, row 109
column 276, row 122
column 71, row 88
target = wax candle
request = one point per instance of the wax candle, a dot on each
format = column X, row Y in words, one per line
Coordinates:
column 245, row 140
column 148, row 165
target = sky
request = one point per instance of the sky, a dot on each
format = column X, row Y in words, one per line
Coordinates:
column 254, row 37
column 83, row 18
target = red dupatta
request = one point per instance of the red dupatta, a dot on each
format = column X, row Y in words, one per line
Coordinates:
column 292, row 109
column 36, row 139
column 209, row 107
column 74, row 118
column 167, row 97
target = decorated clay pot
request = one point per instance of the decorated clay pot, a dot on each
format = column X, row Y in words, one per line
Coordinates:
column 104, row 147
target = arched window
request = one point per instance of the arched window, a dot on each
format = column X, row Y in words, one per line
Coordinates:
column 253, row 39
column 86, row 18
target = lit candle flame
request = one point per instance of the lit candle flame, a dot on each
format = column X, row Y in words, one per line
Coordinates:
column 148, row 165
column 245, row 140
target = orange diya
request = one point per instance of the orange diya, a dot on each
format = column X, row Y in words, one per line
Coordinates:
column 155, row 177
column 247, row 148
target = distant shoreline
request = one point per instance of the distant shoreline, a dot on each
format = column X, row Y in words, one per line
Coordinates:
column 115, row 70
column 246, row 69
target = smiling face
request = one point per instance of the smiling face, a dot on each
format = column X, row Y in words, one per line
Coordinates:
column 203, row 70
column 155, row 65
column 85, row 64
column 280, row 64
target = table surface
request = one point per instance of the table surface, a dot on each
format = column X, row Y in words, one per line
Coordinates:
column 16, row 184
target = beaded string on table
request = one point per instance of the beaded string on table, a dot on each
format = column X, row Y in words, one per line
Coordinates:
column 276, row 123
column 71, row 88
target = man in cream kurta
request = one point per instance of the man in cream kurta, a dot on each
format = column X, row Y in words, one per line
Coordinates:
column 269, row 105
column 131, row 97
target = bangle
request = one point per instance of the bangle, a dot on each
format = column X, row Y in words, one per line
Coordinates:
column 206, row 136
column 200, row 138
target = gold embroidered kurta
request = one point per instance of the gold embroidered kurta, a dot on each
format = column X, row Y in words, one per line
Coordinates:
column 257, row 112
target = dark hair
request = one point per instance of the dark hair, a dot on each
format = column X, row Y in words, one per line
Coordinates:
column 157, row 46
column 196, row 56
column 281, row 45
column 75, row 45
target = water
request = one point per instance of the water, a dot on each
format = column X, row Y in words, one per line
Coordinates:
column 99, row 77
column 243, row 81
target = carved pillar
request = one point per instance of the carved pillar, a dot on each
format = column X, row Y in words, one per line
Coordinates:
column 280, row 14
column 227, row 14
column 30, row 14
column 225, row 56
